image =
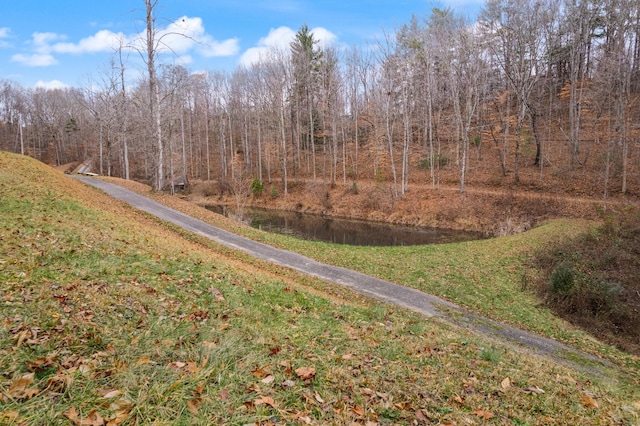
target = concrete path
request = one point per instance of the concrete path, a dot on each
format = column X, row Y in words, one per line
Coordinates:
column 425, row 304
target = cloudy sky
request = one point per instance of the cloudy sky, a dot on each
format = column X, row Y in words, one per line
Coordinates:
column 54, row 43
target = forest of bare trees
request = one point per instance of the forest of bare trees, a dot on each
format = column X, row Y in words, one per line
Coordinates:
column 529, row 84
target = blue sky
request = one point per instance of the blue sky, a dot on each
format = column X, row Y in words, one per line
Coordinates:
column 54, row 43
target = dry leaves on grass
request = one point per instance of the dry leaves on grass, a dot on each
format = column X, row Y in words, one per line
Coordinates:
column 9, row 416
column 306, row 373
column 265, row 400
column 21, row 387
column 93, row 418
column 485, row 415
column 588, row 401
column 535, row 390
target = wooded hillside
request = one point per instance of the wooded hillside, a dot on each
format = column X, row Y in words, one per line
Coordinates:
column 540, row 94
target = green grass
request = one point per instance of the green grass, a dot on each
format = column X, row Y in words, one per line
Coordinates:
column 107, row 315
column 490, row 277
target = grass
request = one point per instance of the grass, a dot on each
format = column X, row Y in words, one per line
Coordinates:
column 492, row 277
column 109, row 318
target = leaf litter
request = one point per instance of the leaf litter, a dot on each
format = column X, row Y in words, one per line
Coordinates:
column 134, row 330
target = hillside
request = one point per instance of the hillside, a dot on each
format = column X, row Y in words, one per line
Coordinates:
column 109, row 317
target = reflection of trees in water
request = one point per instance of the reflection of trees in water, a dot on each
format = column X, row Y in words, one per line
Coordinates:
column 345, row 231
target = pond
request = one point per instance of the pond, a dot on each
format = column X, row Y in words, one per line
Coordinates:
column 344, row 231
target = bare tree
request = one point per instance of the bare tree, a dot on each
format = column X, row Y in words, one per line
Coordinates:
column 515, row 29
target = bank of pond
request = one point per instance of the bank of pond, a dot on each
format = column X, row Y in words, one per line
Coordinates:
column 317, row 227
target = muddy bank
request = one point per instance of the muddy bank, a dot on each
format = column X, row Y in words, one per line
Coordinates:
column 488, row 211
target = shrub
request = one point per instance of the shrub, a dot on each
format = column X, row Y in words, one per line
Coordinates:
column 440, row 160
column 592, row 279
column 257, row 187
column 562, row 279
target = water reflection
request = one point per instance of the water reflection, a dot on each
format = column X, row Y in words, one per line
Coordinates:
column 345, row 231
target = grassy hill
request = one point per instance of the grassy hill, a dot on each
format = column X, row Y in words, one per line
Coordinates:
column 110, row 317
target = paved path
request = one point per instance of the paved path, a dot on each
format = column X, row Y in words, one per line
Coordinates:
column 423, row 303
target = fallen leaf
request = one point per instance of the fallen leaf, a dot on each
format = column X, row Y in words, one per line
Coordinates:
column 177, row 365
column 21, row 338
column 486, row 415
column 9, row 415
column 144, row 360
column 565, row 379
column 192, row 367
column 534, row 389
column 110, row 393
column 288, row 384
column 304, row 419
column 120, row 417
column 268, row 380
column 318, row 397
column 93, row 419
column 420, row 416
column 358, row 411
column 59, row 383
column 275, row 350
column 287, row 366
column 41, row 364
column 224, row 395
column 209, row 345
column 121, row 405
column 72, row 414
column 265, row 400
column 588, row 401
column 20, row 389
column 506, row 383
column 193, row 405
column 199, row 389
column 260, row 372
column 306, row 373
column 458, row 399
column 403, row 405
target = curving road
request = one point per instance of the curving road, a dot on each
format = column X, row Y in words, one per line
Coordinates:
column 423, row 303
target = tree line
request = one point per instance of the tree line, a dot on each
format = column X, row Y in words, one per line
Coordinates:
column 538, row 83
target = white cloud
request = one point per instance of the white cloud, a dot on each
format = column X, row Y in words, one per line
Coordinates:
column 186, row 34
column 51, row 85
column 280, row 39
column 102, row 41
column 42, row 41
column 212, row 48
column 180, row 37
column 5, row 33
column 35, row 60
column 325, row 37
column 42, row 56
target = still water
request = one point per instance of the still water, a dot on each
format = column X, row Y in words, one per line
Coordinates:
column 345, row 231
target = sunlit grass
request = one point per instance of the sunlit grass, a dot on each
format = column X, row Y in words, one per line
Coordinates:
column 123, row 320
column 490, row 277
